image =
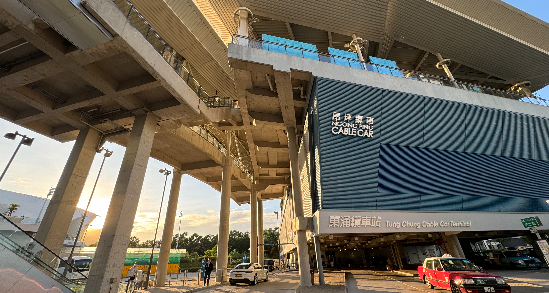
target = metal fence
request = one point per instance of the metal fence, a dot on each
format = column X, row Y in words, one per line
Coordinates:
column 170, row 55
column 239, row 161
column 408, row 74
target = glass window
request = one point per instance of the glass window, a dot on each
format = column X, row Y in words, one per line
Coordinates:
column 242, row 266
column 429, row 264
column 436, row 264
column 458, row 265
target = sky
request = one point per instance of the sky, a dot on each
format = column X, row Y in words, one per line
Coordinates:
column 37, row 168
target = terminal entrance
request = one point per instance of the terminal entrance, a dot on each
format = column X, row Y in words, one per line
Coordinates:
column 407, row 251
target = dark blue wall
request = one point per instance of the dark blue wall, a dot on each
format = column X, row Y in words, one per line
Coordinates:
column 426, row 154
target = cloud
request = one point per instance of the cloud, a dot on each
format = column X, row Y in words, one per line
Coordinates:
column 210, row 211
column 194, row 220
column 21, row 182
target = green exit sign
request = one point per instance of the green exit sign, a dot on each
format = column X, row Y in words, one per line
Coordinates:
column 530, row 222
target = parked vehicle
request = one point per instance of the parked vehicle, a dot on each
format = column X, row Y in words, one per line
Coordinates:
column 519, row 260
column 249, row 273
column 460, row 275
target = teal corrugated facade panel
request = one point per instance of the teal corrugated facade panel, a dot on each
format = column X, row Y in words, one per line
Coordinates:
column 425, row 153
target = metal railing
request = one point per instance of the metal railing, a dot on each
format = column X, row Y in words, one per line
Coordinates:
column 408, row 74
column 26, row 247
column 213, row 140
column 170, row 55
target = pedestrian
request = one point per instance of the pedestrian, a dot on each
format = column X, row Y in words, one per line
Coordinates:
column 207, row 271
column 131, row 275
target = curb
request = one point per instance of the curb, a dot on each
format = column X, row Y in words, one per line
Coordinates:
column 203, row 288
column 404, row 273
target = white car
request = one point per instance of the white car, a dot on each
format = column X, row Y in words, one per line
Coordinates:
column 249, row 273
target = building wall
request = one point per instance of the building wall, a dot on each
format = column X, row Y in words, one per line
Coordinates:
column 427, row 153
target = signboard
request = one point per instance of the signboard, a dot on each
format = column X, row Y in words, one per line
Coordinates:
column 352, row 125
column 544, row 247
column 327, row 221
column 530, row 222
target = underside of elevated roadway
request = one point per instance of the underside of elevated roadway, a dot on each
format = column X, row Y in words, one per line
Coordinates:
column 50, row 86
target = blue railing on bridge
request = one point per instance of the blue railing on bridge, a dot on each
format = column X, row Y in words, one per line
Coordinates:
column 378, row 65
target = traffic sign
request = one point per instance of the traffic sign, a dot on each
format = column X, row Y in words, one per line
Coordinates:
column 530, row 222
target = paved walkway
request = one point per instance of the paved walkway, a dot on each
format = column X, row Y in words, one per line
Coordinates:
column 278, row 283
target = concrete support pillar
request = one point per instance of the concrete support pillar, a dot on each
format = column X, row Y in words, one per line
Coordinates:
column 457, row 244
column 302, row 247
column 115, row 237
column 260, row 246
column 319, row 260
column 224, row 211
column 446, row 69
column 453, row 246
column 163, row 257
column 243, row 22
column 58, row 216
column 253, row 223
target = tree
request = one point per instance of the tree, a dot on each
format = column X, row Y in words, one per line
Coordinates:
column 93, row 244
column 270, row 239
column 12, row 208
column 239, row 241
column 212, row 252
column 134, row 242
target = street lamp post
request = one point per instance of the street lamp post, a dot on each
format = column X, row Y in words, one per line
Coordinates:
column 167, row 173
column 24, row 140
column 44, row 205
column 69, row 259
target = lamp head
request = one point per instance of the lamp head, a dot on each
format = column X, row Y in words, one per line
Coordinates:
column 108, row 153
column 27, row 141
column 161, row 170
column 10, row 136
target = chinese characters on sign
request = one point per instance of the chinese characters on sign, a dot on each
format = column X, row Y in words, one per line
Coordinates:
column 354, row 221
column 358, row 125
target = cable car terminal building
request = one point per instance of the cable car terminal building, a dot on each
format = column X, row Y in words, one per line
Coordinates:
column 390, row 129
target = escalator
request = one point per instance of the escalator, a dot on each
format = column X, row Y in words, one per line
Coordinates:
column 28, row 266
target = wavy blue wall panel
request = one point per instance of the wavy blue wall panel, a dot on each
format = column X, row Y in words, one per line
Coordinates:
column 541, row 141
column 428, row 154
column 483, row 131
column 402, row 119
column 346, row 160
column 444, row 125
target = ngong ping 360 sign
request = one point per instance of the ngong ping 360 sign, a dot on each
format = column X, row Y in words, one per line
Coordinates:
column 357, row 125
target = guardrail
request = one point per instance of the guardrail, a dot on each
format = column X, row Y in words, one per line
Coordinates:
column 212, row 139
column 408, row 74
column 26, row 247
column 170, row 55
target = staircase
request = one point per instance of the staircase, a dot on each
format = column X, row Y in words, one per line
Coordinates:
column 28, row 266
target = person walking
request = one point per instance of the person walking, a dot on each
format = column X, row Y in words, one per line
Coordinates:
column 207, row 272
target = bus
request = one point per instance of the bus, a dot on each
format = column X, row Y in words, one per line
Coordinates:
column 83, row 259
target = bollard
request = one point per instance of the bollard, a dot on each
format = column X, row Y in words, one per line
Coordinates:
column 312, row 276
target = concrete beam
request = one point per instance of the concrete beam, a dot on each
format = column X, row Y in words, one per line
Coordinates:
column 239, row 188
column 280, row 165
column 268, row 145
column 385, row 47
column 243, row 83
column 266, row 117
column 266, row 196
column 421, row 59
column 286, row 97
column 200, row 166
column 290, row 31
